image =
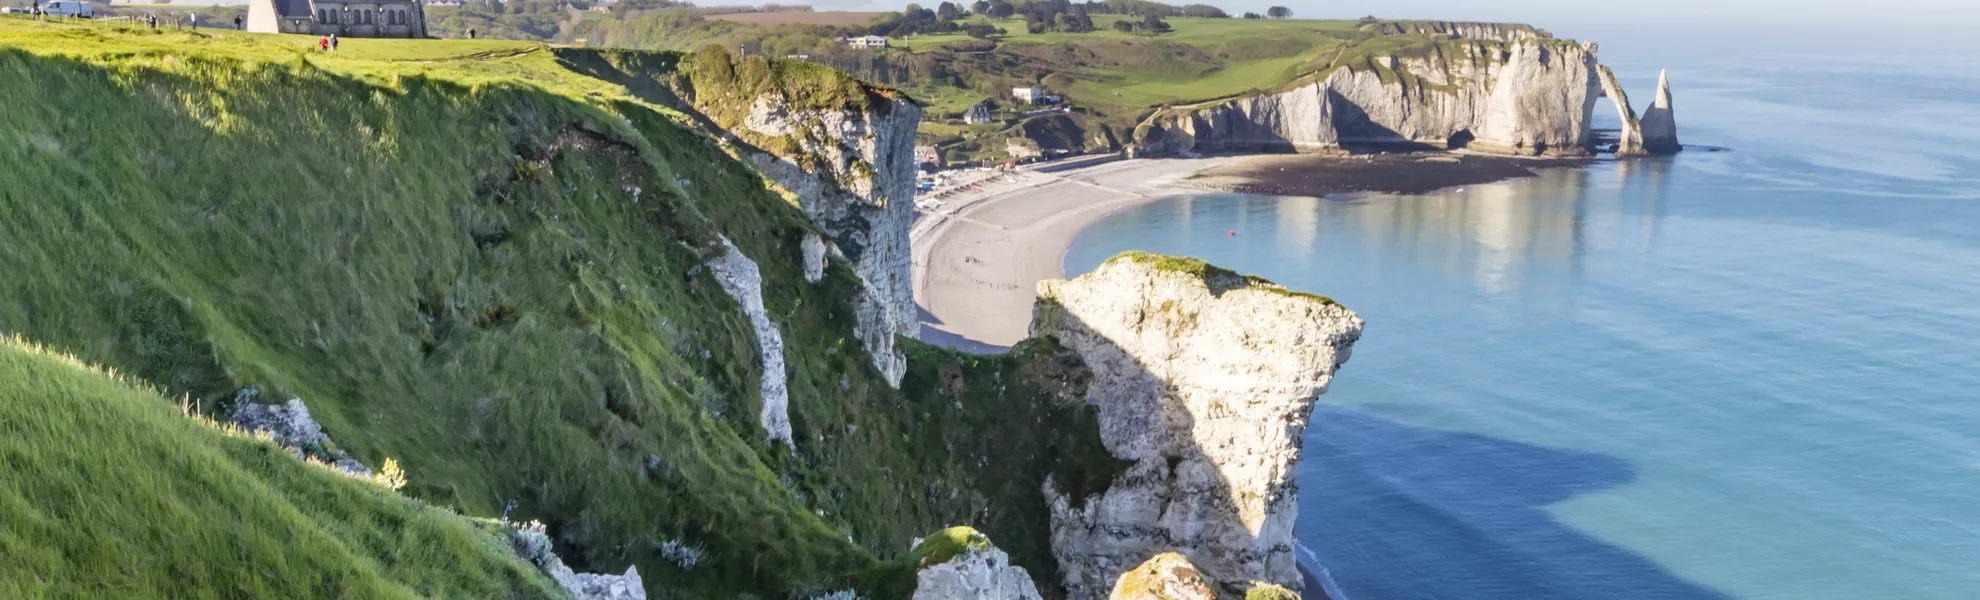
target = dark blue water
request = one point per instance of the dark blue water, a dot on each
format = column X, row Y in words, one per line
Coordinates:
column 1748, row 374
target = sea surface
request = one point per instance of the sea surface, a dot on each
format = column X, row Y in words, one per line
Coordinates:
column 1751, row 373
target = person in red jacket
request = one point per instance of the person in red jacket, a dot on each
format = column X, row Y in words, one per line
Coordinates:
column 323, row 43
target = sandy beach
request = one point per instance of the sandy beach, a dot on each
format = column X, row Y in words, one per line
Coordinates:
column 978, row 257
column 980, row 253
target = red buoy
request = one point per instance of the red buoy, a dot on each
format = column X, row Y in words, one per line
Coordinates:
column 1231, row 232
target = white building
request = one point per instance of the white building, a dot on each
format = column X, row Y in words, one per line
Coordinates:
column 870, row 41
column 980, row 113
column 1028, row 95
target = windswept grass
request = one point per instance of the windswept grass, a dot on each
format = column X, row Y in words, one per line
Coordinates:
column 107, row 490
column 474, row 258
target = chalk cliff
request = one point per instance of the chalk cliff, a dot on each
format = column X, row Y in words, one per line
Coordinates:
column 1204, row 379
column 1533, row 95
column 853, row 172
column 1660, row 135
column 1542, row 100
column 961, row 564
column 1504, row 32
column 1629, row 138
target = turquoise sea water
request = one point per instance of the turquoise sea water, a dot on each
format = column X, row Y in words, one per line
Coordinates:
column 1746, row 374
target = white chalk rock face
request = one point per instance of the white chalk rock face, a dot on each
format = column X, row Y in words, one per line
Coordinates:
column 853, row 173
column 1205, row 379
column 814, row 258
column 1521, row 95
column 1660, row 133
column 1505, row 32
column 978, row 572
column 1542, row 101
column 1629, row 139
column 589, row 586
column 740, row 278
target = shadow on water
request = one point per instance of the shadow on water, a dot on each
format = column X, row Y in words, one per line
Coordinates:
column 1402, row 512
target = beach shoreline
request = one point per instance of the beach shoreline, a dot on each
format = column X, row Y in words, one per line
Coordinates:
column 978, row 257
column 1319, row 175
column 980, row 249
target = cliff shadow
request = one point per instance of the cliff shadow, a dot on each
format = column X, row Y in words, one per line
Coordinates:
column 1397, row 511
column 932, row 332
column 1358, row 133
column 1175, row 495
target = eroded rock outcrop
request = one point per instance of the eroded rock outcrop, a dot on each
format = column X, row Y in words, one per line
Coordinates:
column 740, row 278
column 1660, row 135
column 1534, row 95
column 960, row 564
column 1629, row 139
column 814, row 257
column 1542, row 100
column 1204, row 379
column 1168, row 576
column 289, row 425
column 532, row 544
column 853, row 172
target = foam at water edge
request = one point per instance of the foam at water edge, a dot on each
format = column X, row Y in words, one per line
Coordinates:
column 1309, row 563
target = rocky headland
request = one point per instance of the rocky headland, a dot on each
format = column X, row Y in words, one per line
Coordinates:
column 1498, row 90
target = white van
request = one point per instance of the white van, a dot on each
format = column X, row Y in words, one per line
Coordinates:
column 68, row 8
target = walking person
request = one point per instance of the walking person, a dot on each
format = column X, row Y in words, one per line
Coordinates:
column 333, row 42
column 323, row 43
column 237, row 22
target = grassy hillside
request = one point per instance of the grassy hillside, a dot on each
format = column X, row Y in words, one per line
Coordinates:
column 1200, row 59
column 1113, row 79
column 486, row 261
column 107, row 490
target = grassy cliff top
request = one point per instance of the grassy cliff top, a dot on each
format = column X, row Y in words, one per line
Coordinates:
column 468, row 62
column 197, row 506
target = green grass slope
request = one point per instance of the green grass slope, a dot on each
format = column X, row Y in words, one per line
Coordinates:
column 480, row 259
column 107, row 490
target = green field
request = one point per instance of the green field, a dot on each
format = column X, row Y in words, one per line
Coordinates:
column 1232, row 55
column 485, row 259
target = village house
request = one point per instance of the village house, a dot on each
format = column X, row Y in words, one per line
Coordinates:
column 928, row 157
column 1028, row 95
column 342, row 18
column 980, row 113
column 867, row 41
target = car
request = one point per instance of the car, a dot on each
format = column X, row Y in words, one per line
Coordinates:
column 68, row 8
column 13, row 10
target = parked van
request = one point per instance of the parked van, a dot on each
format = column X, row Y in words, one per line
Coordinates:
column 68, row 8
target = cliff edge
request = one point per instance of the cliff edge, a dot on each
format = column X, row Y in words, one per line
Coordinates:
column 845, row 151
column 1204, row 379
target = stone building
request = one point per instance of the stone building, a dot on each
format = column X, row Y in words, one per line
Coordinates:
column 352, row 18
